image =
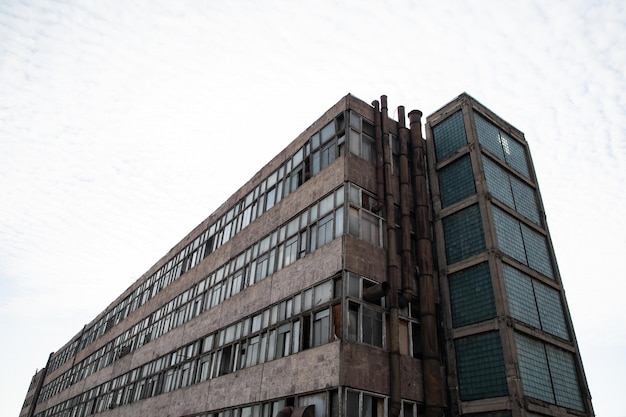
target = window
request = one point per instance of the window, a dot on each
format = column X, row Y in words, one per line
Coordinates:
column 501, row 145
column 225, row 360
column 325, row 230
column 464, row 236
column 372, row 327
column 361, row 138
column 456, row 181
column 360, row 404
column 321, row 327
column 471, row 295
column 534, row 303
column 548, row 373
column 328, row 154
column 262, row 267
column 522, row 243
column 291, row 250
column 204, row 367
column 511, row 190
column 480, row 366
column 365, row 324
column 362, row 223
column 449, row 136
column 283, row 340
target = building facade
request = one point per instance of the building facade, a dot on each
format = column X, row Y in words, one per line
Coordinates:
column 365, row 271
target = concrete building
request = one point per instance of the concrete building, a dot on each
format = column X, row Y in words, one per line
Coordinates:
column 365, row 271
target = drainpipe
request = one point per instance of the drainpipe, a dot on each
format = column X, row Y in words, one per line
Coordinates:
column 408, row 286
column 380, row 186
column 431, row 366
column 392, row 273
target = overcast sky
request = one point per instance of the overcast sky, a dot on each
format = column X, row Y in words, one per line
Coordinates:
column 124, row 124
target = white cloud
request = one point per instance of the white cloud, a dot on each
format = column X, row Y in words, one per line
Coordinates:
column 118, row 121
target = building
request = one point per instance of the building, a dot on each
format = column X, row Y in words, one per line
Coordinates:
column 365, row 271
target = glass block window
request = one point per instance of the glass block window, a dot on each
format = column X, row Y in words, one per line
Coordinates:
column 449, row 136
column 456, row 181
column 471, row 295
column 564, row 379
column 533, row 366
column 498, row 182
column 511, row 191
column 522, row 243
column 525, row 200
column 489, row 136
column 480, row 366
column 537, row 251
column 550, row 310
column 509, row 235
column 501, row 145
column 520, row 294
column 515, row 154
column 534, row 303
column 548, row 373
column 464, row 236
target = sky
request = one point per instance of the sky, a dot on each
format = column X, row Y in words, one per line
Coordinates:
column 124, row 124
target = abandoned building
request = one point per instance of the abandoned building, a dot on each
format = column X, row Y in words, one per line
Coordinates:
column 374, row 268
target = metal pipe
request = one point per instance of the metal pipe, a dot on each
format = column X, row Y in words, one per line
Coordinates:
column 431, row 365
column 408, row 286
column 285, row 412
column 395, row 401
column 376, row 292
column 380, row 186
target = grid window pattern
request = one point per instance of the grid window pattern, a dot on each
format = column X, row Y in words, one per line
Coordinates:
column 498, row 182
column 511, row 191
column 522, row 243
column 525, row 200
column 317, row 153
column 326, row 403
column 456, row 181
column 548, row 373
column 550, row 310
column 489, row 136
column 266, row 256
column 509, row 235
column 449, row 136
column 300, row 322
column 515, row 154
column 471, row 295
column 537, row 251
column 480, row 366
column 564, row 378
column 463, row 234
column 533, row 366
column 520, row 295
column 501, row 145
column 534, row 303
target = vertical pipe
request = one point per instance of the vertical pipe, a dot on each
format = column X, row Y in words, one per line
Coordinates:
column 408, row 287
column 380, row 178
column 395, row 402
column 433, row 387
